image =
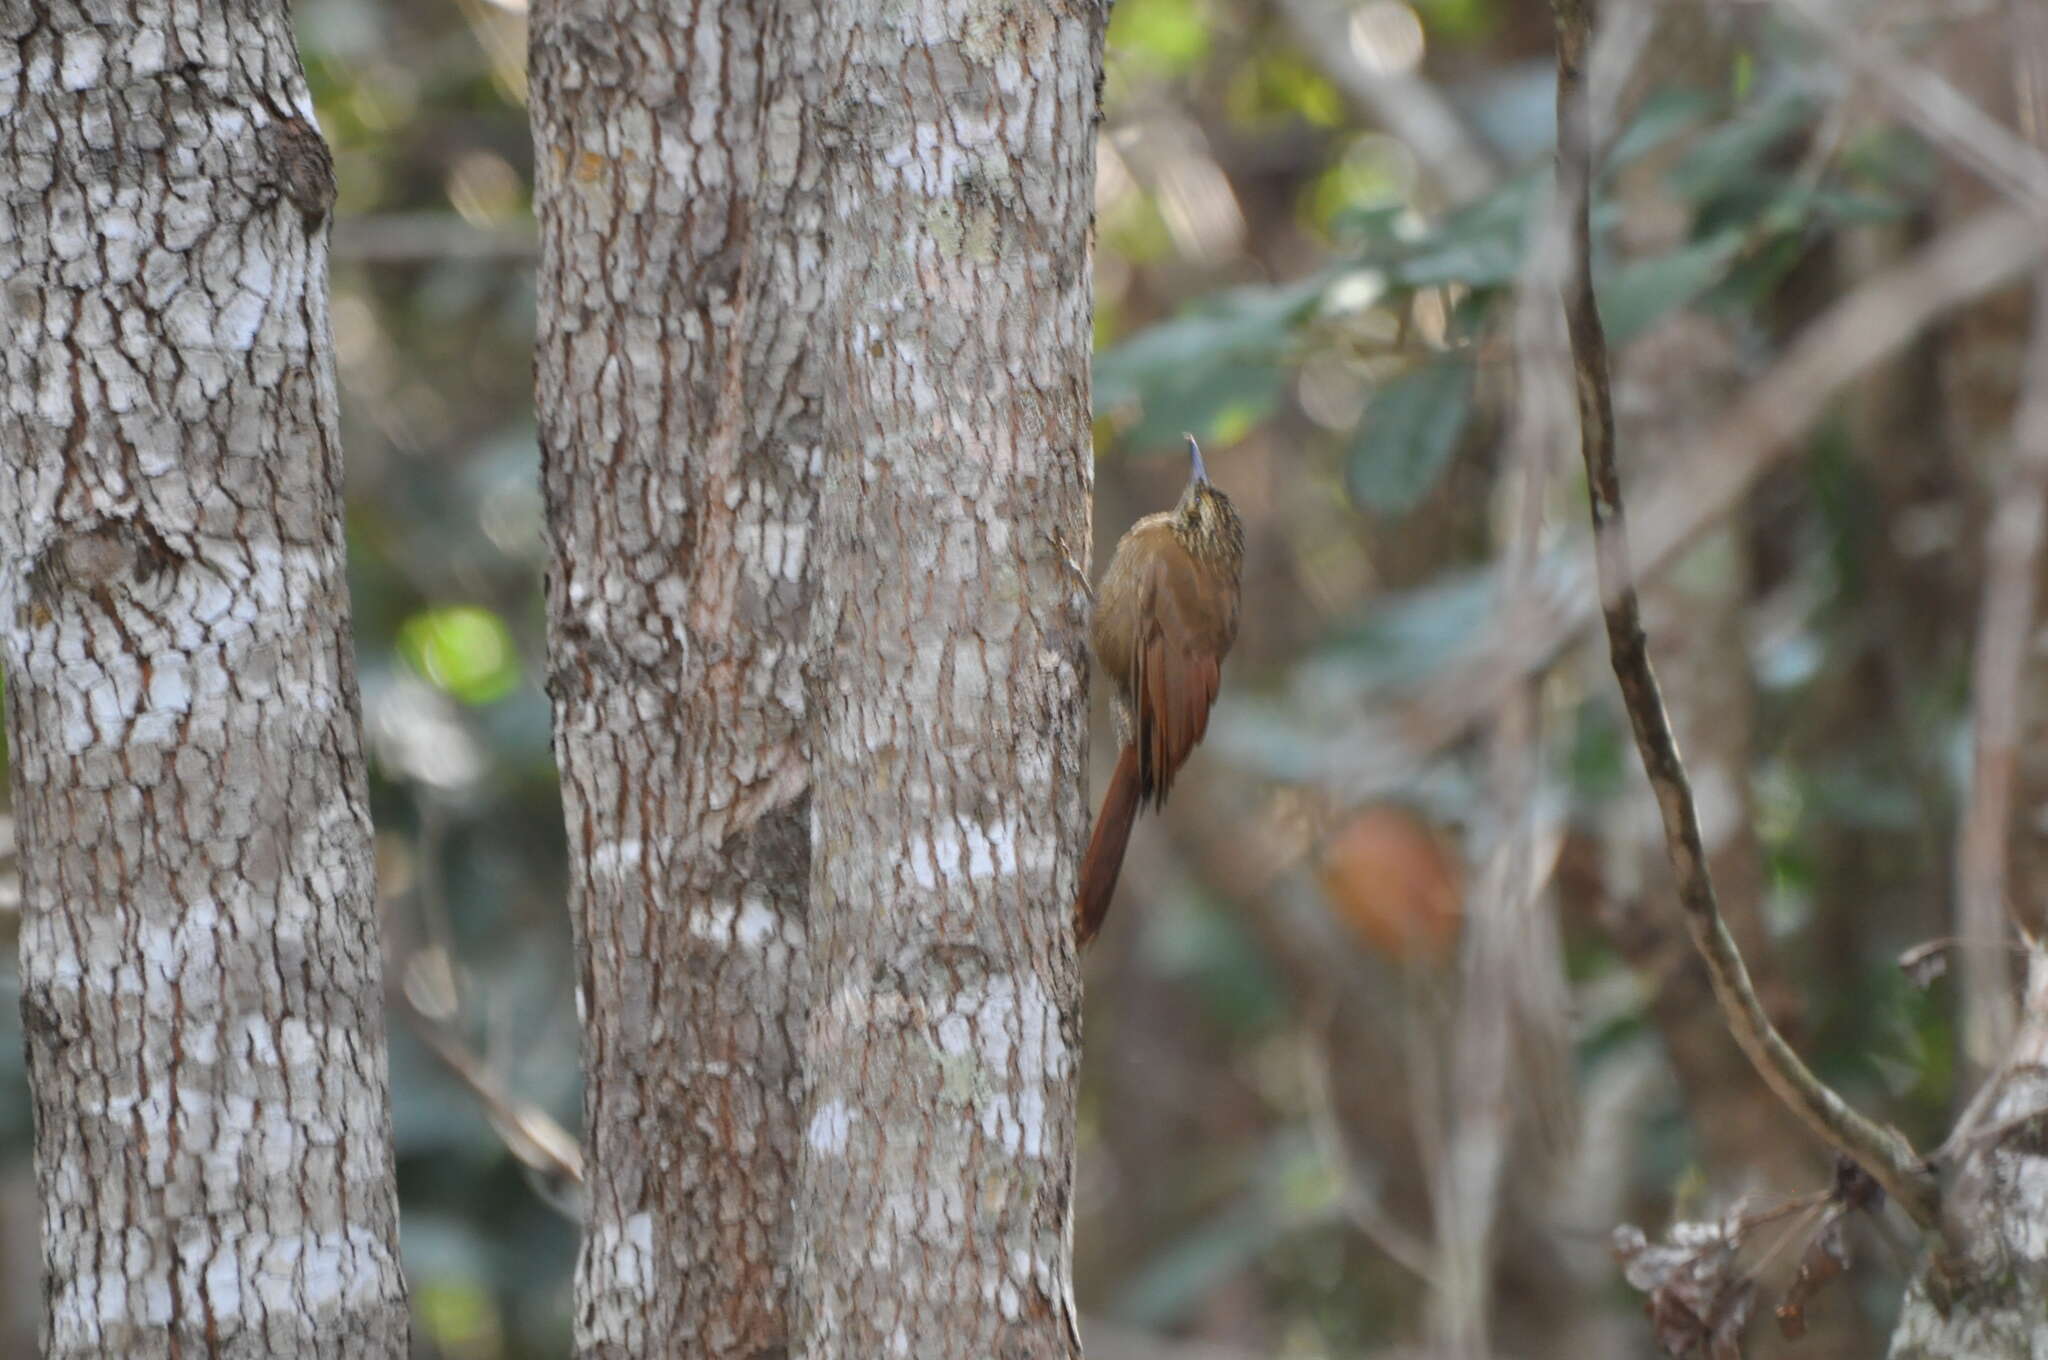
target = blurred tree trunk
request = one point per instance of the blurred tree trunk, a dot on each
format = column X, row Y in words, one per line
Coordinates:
column 934, row 1215
column 679, row 213
column 201, row 978
column 1998, row 1198
column 1669, row 384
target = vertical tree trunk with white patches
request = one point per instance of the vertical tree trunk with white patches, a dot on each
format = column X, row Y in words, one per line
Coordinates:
column 680, row 436
column 200, row 966
column 933, row 1216
column 1993, row 1303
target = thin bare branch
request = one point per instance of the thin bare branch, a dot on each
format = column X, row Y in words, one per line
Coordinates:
column 409, row 238
column 1708, row 479
column 2005, row 624
column 1360, row 1204
column 1941, row 112
column 2005, row 627
column 1881, row 1150
column 1513, row 996
column 530, row 1133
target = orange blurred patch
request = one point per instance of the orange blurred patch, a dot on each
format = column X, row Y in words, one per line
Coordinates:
column 1398, row 882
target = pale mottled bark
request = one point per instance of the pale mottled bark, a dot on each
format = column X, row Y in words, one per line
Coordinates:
column 934, row 1212
column 1993, row 1303
column 680, row 437
column 199, row 950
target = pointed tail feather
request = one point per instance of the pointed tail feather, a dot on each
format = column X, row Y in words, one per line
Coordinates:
column 1105, row 857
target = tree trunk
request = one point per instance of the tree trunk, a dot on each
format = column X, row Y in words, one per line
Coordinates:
column 680, row 438
column 201, row 989
column 1993, row 1303
column 934, row 1213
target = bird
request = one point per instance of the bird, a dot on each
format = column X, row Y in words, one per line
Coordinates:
column 1165, row 617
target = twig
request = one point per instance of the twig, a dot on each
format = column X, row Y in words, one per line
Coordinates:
column 1709, row 478
column 1361, row 1206
column 407, row 238
column 1879, row 1149
column 530, row 1133
column 1938, row 109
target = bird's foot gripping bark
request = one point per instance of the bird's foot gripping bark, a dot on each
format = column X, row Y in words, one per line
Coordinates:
column 1066, row 557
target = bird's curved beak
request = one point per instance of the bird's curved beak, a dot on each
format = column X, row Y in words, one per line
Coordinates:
column 1201, row 473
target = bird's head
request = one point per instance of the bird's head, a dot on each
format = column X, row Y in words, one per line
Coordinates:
column 1204, row 516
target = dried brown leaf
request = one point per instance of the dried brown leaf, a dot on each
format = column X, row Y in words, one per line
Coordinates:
column 1827, row 1256
column 1925, row 962
column 1698, row 1298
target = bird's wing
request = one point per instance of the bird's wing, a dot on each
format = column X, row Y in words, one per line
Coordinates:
column 1175, row 681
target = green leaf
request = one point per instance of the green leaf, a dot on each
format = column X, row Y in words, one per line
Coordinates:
column 1166, row 36
column 1407, row 435
column 1406, row 638
column 1462, row 20
column 1209, row 950
column 1170, row 1286
column 1734, row 152
column 1216, row 364
column 1292, row 1190
column 1665, row 115
column 1645, row 290
column 1479, row 246
column 463, row 650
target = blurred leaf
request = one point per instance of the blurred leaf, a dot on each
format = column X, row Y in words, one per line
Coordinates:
column 1597, row 759
column 1479, row 246
column 1407, row 435
column 1925, row 963
column 1796, row 207
column 1407, row 638
column 1857, row 795
column 1826, row 1256
column 1665, row 114
column 15, row 1124
column 1398, row 882
column 1170, row 1285
column 1736, row 150
column 1132, row 227
column 462, row 650
column 1292, row 1190
column 1460, row 20
column 1166, row 36
column 1277, row 84
column 1645, row 290
column 1699, row 1297
column 1267, row 736
column 1219, row 357
column 1370, row 225
column 1239, row 324
column 1374, row 173
column 1193, row 941
column 1743, row 77
column 457, row 1314
column 1515, row 109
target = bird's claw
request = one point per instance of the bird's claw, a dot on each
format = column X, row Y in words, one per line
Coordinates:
column 1066, row 557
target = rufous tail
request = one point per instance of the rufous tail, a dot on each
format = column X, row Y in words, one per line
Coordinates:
column 1105, row 857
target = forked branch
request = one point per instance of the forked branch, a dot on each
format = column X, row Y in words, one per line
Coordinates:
column 1879, row 1149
